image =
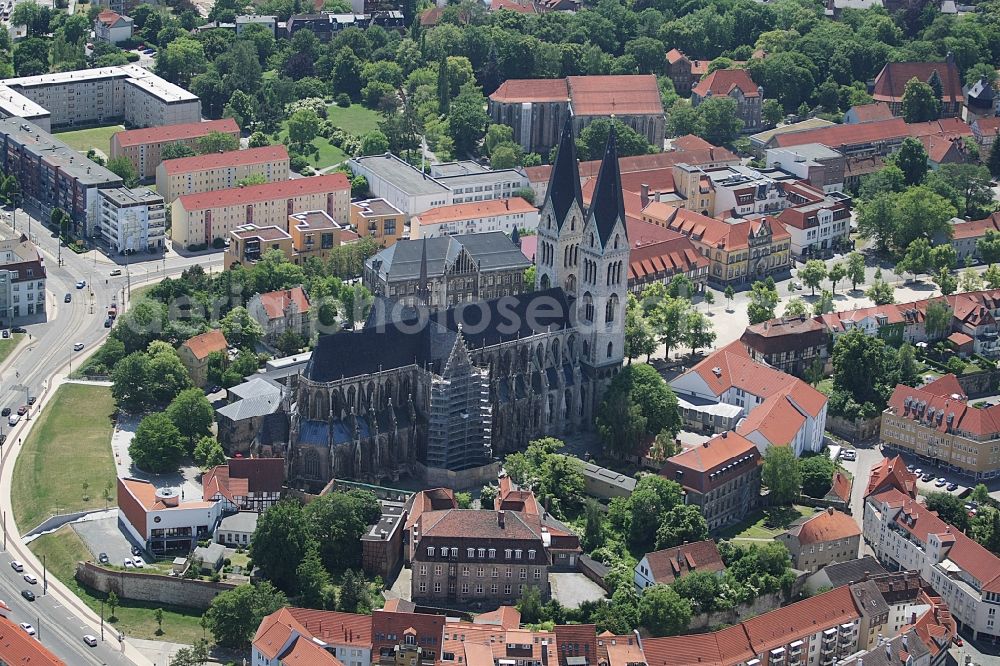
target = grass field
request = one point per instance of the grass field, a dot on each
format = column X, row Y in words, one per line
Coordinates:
column 95, row 137
column 70, row 445
column 7, row 345
column 355, row 119
column 765, row 524
column 329, row 154
column 63, row 549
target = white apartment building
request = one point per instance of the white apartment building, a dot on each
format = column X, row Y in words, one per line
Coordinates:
column 905, row 534
column 504, row 215
column 133, row 220
column 98, row 96
column 22, row 280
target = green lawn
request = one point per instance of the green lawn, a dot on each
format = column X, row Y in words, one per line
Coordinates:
column 70, row 445
column 7, row 345
column 765, row 524
column 63, row 549
column 355, row 119
column 95, row 137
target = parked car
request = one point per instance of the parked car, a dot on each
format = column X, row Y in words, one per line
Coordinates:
column 78, row 346
column 927, row 477
column 138, row 563
column 6, row 333
column 28, row 594
column 17, row 566
column 849, row 454
column 952, row 487
column 19, row 329
column 32, row 399
column 13, row 420
column 136, row 550
column 30, row 578
column 108, row 322
column 918, row 471
column 128, row 563
column 90, row 640
column 958, row 641
column 941, row 482
column 103, row 558
column 67, row 298
column 22, row 410
column 28, row 629
column 5, row 412
column 116, row 272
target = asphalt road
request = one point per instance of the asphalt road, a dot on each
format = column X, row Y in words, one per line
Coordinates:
column 48, row 352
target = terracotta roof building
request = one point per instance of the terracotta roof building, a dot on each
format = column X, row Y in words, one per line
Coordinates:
column 280, row 311
column 112, row 27
column 504, row 215
column 686, row 72
column 194, row 354
column 891, row 83
column 965, row 235
column 721, row 477
column 790, row 344
column 826, row 537
column 143, row 147
column 866, row 113
column 218, row 171
column 314, row 638
column 537, row 108
column 661, row 260
column 17, row 648
column 245, row 484
column 737, row 85
column 986, row 131
column 159, row 521
column 663, row 567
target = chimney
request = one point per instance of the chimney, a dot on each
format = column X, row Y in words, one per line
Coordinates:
column 904, row 635
column 829, row 510
column 501, row 517
column 644, row 196
column 913, row 617
column 888, row 651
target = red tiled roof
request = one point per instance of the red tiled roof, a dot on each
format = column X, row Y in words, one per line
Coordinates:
column 241, row 476
column 990, row 125
column 286, row 189
column 647, row 162
column 836, row 136
column 512, row 5
column 829, row 525
column 785, row 334
column 575, row 640
column 891, row 81
column 917, row 404
column 710, row 231
column 167, row 133
column 474, row 524
column 625, row 95
column 776, row 419
column 337, row 628
column 976, row 228
column 672, row 563
column 507, row 617
column 947, row 127
column 664, row 258
column 206, row 343
column 674, row 56
column 431, row 17
column 690, row 142
column 960, row 339
column 841, row 487
column 697, row 464
column 232, row 158
column 892, row 473
column 866, row 113
column 17, row 648
column 435, row 499
column 476, row 210
column 109, row 18
column 276, row 302
column 724, row 81
column 945, row 385
column 531, row 90
column 941, row 148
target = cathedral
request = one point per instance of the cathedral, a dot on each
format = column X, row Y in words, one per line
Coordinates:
column 437, row 394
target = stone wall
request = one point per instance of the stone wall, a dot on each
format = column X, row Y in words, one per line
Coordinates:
column 467, row 478
column 855, row 432
column 149, row 587
column 762, row 604
column 979, row 383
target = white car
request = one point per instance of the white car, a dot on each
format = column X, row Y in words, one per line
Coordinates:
column 17, row 566
column 30, row 577
column 28, row 629
column 90, row 640
column 78, row 346
column 849, row 454
column 138, row 563
column 941, row 482
column 129, row 564
column 13, row 420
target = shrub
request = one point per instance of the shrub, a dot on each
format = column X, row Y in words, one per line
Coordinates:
column 196, row 247
column 298, row 164
column 343, row 100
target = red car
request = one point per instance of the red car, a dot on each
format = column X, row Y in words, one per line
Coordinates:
column 22, row 410
column 958, row 641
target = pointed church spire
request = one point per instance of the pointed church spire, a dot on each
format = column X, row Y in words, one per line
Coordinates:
column 422, row 287
column 515, row 237
column 607, row 205
column 564, row 182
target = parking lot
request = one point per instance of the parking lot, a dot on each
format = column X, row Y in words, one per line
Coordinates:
column 103, row 535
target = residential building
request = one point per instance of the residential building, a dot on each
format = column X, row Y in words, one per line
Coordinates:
column 248, row 243
column 315, row 637
column 891, row 83
column 112, row 27
column 826, row 537
column 22, row 280
column 411, row 191
column 684, row 72
column 791, row 344
column 821, row 167
column 658, row 261
column 382, row 542
column 200, row 219
column 159, row 521
column 942, row 427
column 985, row 130
column 817, row 224
column 269, row 22
column 606, row 483
column 905, row 534
column 143, row 147
column 866, row 113
column 465, row 556
column 236, row 530
column 378, row 219
column 446, row 271
column 738, row 251
column 245, row 484
column 20, row 648
column 195, row 354
column 281, row 311
column 132, row 220
column 778, row 409
column 126, row 93
column 53, row 175
column 250, row 403
column 879, row 138
column 737, row 85
column 846, row 573
column 721, row 477
column 504, row 215
column 220, row 171
column 401, row 637
column 892, row 473
column 945, row 150
column 663, row 567
column 315, row 234
column 536, row 109
column 965, row 235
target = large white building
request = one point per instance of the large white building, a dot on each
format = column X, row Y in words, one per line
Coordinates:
column 504, row 215
column 905, row 534
column 22, row 280
column 159, row 521
column 133, row 220
column 98, row 96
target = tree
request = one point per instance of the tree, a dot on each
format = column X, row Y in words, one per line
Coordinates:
column 946, row 282
column 912, row 161
column 240, row 329
column 467, row 119
column 682, row 524
column 208, row 453
column 855, row 269
column 878, row 218
column 593, row 533
column 709, row 298
column 313, row 580
column 158, row 445
column 917, row 258
column 303, row 126
column 594, row 138
column 824, row 304
column 192, row 414
column 881, row 293
column 719, row 119
column 864, row 369
column 337, row 521
column 652, row 499
column 817, row 475
column 530, row 605
column 971, row 280
column 663, row 612
column 837, row 273
column 196, row 655
column 561, row 483
column 909, row 370
column 698, row 331
column 158, row 616
column 241, row 108
column 280, row 542
column 781, row 474
column 668, row 318
column 181, row 60
column 506, row 155
column 639, row 338
column 374, row 143
column 443, row 86
column 950, row 508
column 988, row 247
column 937, row 320
column 130, row 382
column 813, row 273
column 684, row 119
column 796, row 308
column 992, row 276
column 729, row 293
column 173, row 151
column 993, row 163
column 34, row 17
column 217, row 142
column 354, row 596
column 112, row 602
column 771, row 112
column 763, row 301
column 234, row 615
column 168, row 376
column 919, row 102
column 258, row 140
column 122, row 167
column 641, row 386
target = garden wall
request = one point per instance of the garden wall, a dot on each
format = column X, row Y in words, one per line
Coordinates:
column 151, row 588
column 762, row 604
column 861, row 430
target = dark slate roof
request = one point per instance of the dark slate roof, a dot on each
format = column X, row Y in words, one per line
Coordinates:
column 407, row 259
column 273, row 429
column 889, row 653
column 564, row 181
column 427, row 340
column 844, row 573
column 607, row 204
